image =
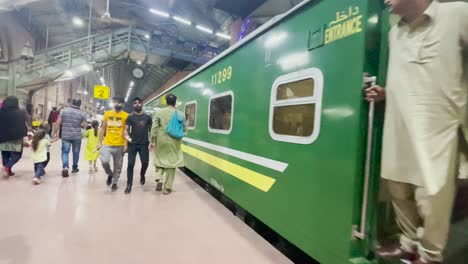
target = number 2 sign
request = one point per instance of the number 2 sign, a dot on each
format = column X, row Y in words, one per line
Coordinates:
column 101, row 92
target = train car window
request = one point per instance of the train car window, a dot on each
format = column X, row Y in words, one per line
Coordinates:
column 220, row 115
column 298, row 89
column 191, row 114
column 295, row 107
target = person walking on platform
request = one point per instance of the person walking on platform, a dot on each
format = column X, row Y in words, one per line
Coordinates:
column 113, row 127
column 91, row 151
column 138, row 128
column 424, row 121
column 14, row 129
column 47, row 129
column 39, row 145
column 52, row 119
column 71, row 119
column 167, row 145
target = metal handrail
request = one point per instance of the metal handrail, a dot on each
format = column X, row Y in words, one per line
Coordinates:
column 73, row 41
column 89, row 46
column 75, row 49
column 361, row 234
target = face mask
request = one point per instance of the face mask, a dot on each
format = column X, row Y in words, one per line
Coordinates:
column 137, row 108
column 118, row 107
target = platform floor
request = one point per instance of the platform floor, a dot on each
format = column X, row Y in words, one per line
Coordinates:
column 78, row 220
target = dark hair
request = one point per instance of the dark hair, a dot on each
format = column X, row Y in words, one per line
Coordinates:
column 171, row 99
column 76, row 102
column 95, row 125
column 119, row 99
column 10, row 103
column 137, row 99
column 40, row 134
column 45, row 126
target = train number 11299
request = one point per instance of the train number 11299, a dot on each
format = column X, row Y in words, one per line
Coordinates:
column 221, row 76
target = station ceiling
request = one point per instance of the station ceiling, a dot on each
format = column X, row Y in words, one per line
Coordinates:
column 51, row 23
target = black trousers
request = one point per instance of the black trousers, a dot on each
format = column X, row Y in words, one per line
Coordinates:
column 133, row 150
column 10, row 158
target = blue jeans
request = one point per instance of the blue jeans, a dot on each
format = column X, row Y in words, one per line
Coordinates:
column 66, row 146
column 39, row 170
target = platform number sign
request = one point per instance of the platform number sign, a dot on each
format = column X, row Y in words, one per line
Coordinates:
column 101, row 92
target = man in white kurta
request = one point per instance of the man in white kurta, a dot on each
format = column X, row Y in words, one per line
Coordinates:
column 426, row 98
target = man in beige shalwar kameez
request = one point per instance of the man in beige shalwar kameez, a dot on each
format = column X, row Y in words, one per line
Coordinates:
column 426, row 98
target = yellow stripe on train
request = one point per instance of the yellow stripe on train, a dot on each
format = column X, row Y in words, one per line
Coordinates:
column 253, row 178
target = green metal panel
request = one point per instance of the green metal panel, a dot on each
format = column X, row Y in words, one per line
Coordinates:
column 315, row 202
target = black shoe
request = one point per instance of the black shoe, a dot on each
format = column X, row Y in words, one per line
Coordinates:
column 142, row 180
column 128, row 189
column 65, row 173
column 114, row 187
column 159, row 186
column 109, row 180
column 75, row 170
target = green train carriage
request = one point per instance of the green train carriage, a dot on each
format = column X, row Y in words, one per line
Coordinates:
column 278, row 124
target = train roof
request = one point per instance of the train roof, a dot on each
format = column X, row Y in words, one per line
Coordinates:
column 239, row 44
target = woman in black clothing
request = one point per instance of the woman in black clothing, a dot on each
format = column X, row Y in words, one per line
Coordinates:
column 14, row 128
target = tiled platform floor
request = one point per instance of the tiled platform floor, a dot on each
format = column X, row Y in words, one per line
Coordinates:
column 78, row 220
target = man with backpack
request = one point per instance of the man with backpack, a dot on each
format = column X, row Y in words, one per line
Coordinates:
column 166, row 135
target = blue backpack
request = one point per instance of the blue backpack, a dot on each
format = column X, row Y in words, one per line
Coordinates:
column 175, row 128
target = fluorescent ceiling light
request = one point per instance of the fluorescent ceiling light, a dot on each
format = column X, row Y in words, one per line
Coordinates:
column 147, row 36
column 224, row 36
column 204, row 29
column 77, row 22
column 159, row 13
column 181, row 20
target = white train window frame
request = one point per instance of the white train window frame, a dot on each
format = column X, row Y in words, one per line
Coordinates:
column 221, row 131
column 311, row 73
column 195, row 118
